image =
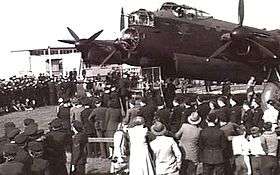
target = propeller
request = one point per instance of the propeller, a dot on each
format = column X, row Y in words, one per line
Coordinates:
column 79, row 43
column 241, row 12
column 242, row 33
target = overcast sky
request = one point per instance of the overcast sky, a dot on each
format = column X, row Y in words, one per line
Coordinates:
column 32, row 24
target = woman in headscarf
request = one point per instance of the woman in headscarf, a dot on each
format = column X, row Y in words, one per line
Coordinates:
column 140, row 160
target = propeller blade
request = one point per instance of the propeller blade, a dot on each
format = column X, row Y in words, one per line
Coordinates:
column 241, row 12
column 94, row 36
column 73, row 34
column 108, row 57
column 262, row 48
column 122, row 23
column 67, row 41
column 221, row 49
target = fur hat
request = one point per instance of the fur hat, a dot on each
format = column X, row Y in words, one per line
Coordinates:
column 21, row 139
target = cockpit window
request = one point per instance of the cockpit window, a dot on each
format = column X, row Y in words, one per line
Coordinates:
column 183, row 11
column 141, row 17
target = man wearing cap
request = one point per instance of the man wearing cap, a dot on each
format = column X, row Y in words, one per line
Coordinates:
column 39, row 165
column 97, row 116
column 78, row 158
column 269, row 162
column 189, row 136
column 212, row 144
column 11, row 167
column 166, row 151
column 22, row 153
column 56, row 141
column 256, row 150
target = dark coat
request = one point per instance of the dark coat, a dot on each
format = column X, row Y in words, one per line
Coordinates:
column 257, row 117
column 113, row 117
column 40, row 167
column 235, row 114
column 148, row 112
column 203, row 110
column 97, row 116
column 176, row 118
column 247, row 119
column 79, row 155
column 24, row 157
column 12, row 168
column 64, row 115
column 88, row 125
column 212, row 143
column 163, row 115
column 56, row 142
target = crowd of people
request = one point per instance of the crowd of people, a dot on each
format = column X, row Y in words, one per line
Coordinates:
column 159, row 132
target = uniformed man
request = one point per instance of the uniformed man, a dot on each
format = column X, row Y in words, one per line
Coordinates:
column 78, row 159
column 11, row 167
column 56, row 140
column 39, row 165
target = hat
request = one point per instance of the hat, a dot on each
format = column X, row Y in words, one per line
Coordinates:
column 267, row 126
column 21, row 139
column 10, row 149
column 31, row 129
column 158, row 129
column 254, row 130
column 28, row 121
column 35, row 146
column 13, row 133
column 77, row 125
column 212, row 118
column 194, row 118
column 56, row 123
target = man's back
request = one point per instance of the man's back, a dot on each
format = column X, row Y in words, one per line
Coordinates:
column 212, row 142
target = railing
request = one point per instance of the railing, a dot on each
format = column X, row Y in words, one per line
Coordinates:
column 100, row 140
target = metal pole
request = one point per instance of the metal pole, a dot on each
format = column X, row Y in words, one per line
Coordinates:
column 50, row 61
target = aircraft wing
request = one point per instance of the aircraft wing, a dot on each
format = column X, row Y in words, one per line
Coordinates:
column 49, row 51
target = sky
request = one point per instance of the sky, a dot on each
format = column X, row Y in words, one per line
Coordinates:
column 34, row 24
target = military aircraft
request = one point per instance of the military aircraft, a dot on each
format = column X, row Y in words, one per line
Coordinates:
column 188, row 42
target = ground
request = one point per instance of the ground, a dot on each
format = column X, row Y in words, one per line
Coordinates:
column 44, row 115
